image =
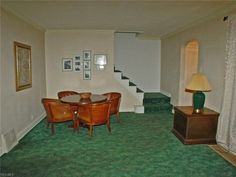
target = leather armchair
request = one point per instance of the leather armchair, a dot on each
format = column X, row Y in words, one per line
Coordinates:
column 114, row 98
column 94, row 114
column 57, row 112
column 66, row 93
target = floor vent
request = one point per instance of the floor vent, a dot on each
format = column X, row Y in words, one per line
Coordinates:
column 9, row 140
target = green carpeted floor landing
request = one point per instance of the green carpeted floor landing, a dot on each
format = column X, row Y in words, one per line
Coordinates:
column 142, row 146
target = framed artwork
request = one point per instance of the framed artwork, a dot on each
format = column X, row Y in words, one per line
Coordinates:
column 87, row 75
column 87, row 65
column 23, row 66
column 100, row 59
column 87, row 54
column 67, row 64
column 77, row 63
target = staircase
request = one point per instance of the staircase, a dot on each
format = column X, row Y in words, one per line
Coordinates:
column 148, row 102
column 156, row 103
column 132, row 88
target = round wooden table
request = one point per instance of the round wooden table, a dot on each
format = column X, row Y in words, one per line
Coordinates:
column 76, row 99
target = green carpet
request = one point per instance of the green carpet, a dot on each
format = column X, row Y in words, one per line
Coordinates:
column 142, row 146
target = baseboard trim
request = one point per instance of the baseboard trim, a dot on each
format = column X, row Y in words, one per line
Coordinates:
column 126, row 109
column 22, row 133
column 165, row 93
column 139, row 109
column 1, row 151
column 230, row 157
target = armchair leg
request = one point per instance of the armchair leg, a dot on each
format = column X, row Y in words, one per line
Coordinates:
column 75, row 124
column 78, row 125
column 52, row 128
column 108, row 127
column 118, row 117
column 90, row 130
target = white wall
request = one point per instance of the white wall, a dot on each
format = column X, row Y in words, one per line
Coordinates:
column 139, row 60
column 1, row 150
column 212, row 43
column 69, row 43
column 20, row 110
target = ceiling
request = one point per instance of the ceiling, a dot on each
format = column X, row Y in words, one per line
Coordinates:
column 149, row 18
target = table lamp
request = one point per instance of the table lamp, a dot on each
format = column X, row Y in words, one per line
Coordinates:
column 198, row 84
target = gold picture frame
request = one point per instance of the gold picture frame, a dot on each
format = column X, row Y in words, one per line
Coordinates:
column 23, row 66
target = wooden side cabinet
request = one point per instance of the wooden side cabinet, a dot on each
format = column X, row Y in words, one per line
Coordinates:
column 192, row 128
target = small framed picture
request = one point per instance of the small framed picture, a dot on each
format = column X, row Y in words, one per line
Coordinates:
column 77, row 63
column 100, row 59
column 67, row 64
column 87, row 54
column 87, row 65
column 87, row 75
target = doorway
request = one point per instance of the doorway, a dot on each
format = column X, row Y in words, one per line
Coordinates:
column 189, row 66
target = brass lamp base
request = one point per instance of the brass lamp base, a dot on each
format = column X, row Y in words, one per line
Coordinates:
column 197, row 111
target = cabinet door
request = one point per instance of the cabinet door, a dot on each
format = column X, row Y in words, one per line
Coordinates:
column 202, row 127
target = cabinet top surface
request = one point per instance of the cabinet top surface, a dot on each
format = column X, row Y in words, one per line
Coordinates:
column 188, row 110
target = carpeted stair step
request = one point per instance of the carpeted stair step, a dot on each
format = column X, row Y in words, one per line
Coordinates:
column 155, row 98
column 154, row 108
column 156, row 102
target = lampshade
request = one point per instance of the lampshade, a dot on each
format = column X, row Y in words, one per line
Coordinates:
column 199, row 82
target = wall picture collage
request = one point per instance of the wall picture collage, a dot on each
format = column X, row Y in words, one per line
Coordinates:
column 79, row 64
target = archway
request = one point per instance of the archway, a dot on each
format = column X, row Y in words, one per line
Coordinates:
column 189, row 66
